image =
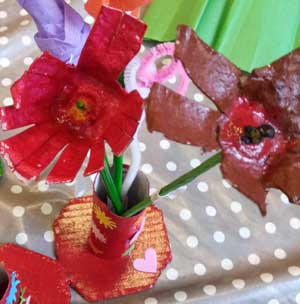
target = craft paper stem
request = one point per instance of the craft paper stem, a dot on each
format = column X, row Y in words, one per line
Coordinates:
column 118, row 173
column 179, row 182
column 111, row 188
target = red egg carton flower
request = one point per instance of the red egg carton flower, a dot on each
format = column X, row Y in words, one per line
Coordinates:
column 75, row 109
column 255, row 119
column 30, row 278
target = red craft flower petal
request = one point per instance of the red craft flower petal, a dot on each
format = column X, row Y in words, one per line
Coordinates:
column 42, row 277
column 132, row 106
column 112, row 43
column 181, row 119
column 42, row 83
column 117, row 139
column 278, row 86
column 250, row 185
column 69, row 162
column 37, row 162
column 285, row 175
column 13, row 118
column 215, row 75
column 21, row 146
column 96, row 161
column 51, row 67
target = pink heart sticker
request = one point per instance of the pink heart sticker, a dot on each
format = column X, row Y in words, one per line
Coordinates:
column 147, row 264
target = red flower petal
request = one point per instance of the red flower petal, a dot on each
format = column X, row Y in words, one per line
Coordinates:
column 38, row 161
column 181, row 119
column 249, row 184
column 12, row 118
column 21, row 146
column 117, row 139
column 277, row 86
column 112, row 43
column 69, row 163
column 49, row 66
column 132, row 105
column 285, row 175
column 128, row 125
column 213, row 74
column 96, row 161
column 42, row 83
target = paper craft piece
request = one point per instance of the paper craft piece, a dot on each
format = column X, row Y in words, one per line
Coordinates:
column 258, row 129
column 231, row 27
column 28, row 277
column 75, row 109
column 93, row 6
column 61, row 30
column 147, row 264
column 143, row 71
column 117, row 231
column 97, row 278
column 138, row 233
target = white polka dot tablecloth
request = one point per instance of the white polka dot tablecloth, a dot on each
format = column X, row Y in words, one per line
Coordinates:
column 224, row 252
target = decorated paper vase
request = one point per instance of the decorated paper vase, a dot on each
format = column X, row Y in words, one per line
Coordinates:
column 105, row 255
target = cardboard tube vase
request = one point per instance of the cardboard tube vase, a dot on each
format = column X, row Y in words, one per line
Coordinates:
column 113, row 236
column 105, row 255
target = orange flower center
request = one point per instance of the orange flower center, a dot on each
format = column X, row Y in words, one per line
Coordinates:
column 79, row 111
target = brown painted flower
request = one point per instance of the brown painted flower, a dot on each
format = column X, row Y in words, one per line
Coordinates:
column 257, row 124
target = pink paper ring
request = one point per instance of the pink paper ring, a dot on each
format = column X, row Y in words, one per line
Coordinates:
column 142, row 72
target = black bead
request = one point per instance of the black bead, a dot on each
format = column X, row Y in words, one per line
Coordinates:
column 246, row 140
column 248, row 130
column 267, row 131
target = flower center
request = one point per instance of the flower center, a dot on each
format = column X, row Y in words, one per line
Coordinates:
column 254, row 136
column 79, row 111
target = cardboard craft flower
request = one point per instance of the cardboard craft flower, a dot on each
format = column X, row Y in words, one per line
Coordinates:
column 61, row 30
column 75, row 109
column 29, row 277
column 256, row 124
column 93, row 6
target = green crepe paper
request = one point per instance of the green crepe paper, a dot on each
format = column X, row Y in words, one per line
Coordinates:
column 251, row 33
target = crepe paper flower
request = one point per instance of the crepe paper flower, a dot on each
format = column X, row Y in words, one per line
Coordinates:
column 75, row 109
column 157, row 65
column 61, row 30
column 256, row 124
column 104, row 219
column 93, row 6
